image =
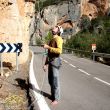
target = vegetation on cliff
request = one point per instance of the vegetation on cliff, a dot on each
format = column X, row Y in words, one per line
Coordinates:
column 44, row 3
column 96, row 31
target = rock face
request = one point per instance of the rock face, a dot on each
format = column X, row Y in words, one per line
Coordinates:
column 89, row 9
column 14, row 22
column 102, row 5
column 93, row 8
column 65, row 14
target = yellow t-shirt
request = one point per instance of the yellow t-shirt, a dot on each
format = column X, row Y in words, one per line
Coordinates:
column 56, row 45
column 55, row 48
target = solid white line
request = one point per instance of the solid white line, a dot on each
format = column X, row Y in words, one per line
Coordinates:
column 83, row 71
column 65, row 61
column 68, row 58
column 72, row 65
column 40, row 99
column 102, row 81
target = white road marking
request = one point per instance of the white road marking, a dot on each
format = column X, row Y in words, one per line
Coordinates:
column 102, row 81
column 69, row 58
column 84, row 72
column 39, row 98
column 72, row 65
column 87, row 73
column 65, row 61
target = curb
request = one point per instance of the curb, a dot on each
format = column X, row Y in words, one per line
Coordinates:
column 38, row 97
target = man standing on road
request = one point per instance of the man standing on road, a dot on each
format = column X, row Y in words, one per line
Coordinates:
column 53, row 62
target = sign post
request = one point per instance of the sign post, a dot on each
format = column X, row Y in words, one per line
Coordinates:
column 93, row 49
column 10, row 48
column 16, row 61
column 1, row 64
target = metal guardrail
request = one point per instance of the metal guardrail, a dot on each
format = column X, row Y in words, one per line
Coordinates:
column 72, row 50
column 93, row 54
column 104, row 55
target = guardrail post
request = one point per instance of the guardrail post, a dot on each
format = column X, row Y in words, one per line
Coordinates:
column 93, row 56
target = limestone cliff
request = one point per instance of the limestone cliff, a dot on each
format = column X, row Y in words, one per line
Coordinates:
column 15, row 16
column 66, row 13
column 93, row 8
column 14, row 22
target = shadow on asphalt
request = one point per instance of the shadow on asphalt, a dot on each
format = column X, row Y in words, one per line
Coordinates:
column 46, row 95
column 27, row 86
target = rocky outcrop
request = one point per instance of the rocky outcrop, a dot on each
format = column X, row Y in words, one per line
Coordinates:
column 89, row 9
column 93, row 8
column 66, row 14
column 102, row 5
column 14, row 23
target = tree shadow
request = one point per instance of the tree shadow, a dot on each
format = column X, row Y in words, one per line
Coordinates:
column 24, row 85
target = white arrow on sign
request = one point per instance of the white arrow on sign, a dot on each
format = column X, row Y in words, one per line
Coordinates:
column 0, row 47
column 7, row 47
column 14, row 48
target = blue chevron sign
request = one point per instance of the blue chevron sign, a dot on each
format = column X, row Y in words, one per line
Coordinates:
column 10, row 47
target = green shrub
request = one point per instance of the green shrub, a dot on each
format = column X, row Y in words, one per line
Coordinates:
column 38, row 41
column 44, row 3
column 48, row 37
column 83, row 40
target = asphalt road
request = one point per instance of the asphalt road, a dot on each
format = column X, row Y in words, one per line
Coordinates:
column 85, row 85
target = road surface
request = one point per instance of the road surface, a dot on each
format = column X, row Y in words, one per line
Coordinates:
column 85, row 85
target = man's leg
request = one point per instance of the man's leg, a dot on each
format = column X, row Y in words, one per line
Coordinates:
column 50, row 80
column 56, row 86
